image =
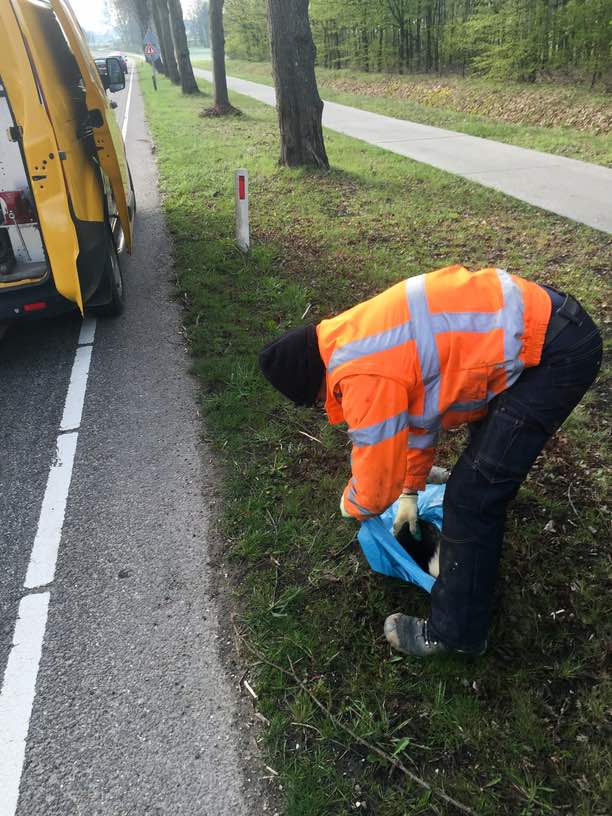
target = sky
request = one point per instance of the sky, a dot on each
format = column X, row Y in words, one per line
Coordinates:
column 91, row 16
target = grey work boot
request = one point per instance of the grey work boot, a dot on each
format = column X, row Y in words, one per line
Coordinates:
column 411, row 635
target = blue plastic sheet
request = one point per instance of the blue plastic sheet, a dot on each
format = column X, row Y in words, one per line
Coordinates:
column 382, row 550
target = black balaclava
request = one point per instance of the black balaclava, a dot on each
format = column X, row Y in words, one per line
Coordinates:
column 293, row 365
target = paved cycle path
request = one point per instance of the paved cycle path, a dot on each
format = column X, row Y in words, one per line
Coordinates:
column 574, row 189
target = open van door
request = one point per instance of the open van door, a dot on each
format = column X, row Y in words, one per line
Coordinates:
column 109, row 142
column 29, row 160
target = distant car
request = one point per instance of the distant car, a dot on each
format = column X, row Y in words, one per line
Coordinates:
column 122, row 60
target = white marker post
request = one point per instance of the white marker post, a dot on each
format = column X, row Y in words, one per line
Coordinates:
column 242, row 210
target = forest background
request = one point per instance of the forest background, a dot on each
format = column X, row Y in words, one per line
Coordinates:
column 524, row 40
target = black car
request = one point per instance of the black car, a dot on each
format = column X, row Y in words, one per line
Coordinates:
column 122, row 60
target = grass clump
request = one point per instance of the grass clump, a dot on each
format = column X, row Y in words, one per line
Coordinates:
column 521, row 731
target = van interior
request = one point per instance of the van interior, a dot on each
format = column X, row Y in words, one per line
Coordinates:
column 22, row 255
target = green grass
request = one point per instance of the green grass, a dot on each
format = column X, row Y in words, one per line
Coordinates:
column 520, row 731
column 420, row 99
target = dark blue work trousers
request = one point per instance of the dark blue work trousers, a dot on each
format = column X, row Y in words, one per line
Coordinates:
column 502, row 449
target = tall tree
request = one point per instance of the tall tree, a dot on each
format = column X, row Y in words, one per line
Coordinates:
column 126, row 21
column 504, row 39
column 162, row 25
column 181, row 49
column 298, row 103
column 222, row 104
column 141, row 7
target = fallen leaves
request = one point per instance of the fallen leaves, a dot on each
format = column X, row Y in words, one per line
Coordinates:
column 545, row 106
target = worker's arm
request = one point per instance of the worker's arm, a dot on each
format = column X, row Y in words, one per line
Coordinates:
column 419, row 458
column 376, row 410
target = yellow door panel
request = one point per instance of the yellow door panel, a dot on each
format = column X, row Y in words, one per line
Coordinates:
column 111, row 150
column 41, row 151
column 60, row 79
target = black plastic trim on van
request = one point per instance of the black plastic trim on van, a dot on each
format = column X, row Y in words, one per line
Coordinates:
column 12, row 301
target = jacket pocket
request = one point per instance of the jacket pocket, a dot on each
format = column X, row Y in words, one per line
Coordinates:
column 471, row 393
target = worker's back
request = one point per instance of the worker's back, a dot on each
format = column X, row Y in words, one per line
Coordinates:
column 455, row 339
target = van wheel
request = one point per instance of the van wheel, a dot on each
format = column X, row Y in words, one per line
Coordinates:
column 112, row 282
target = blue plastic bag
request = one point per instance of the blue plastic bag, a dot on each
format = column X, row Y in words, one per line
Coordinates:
column 382, row 550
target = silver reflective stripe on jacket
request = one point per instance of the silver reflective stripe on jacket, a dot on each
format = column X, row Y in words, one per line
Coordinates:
column 424, row 327
column 513, row 321
column 379, row 431
column 422, row 441
column 390, row 338
column 352, row 498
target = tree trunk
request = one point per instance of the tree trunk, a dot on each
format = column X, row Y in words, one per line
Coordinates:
column 162, row 45
column 162, row 24
column 365, row 49
column 181, row 49
column 298, row 103
column 217, row 43
column 381, row 42
column 141, row 7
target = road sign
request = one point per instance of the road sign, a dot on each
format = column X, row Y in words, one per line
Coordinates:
column 150, row 46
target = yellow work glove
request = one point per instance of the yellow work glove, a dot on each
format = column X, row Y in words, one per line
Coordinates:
column 406, row 514
column 343, row 508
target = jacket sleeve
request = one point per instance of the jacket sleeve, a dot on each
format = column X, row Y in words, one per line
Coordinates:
column 419, row 458
column 376, row 410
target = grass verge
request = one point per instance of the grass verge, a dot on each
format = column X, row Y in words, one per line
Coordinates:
column 567, row 121
column 521, row 731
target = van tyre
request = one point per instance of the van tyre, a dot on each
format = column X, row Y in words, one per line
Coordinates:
column 112, row 282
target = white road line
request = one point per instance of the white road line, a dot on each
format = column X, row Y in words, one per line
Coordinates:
column 41, row 568
column 73, row 407
column 19, row 685
column 126, row 115
column 88, row 331
column 18, row 689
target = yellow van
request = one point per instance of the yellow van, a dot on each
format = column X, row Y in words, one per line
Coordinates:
column 66, row 198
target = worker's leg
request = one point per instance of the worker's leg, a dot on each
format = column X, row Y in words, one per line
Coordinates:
column 488, row 475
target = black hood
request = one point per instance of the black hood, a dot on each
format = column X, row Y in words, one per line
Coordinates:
column 293, row 365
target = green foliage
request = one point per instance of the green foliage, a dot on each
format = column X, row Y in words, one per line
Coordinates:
column 246, row 29
column 507, row 39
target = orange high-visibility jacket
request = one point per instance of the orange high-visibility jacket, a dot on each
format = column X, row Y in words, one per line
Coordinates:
column 426, row 354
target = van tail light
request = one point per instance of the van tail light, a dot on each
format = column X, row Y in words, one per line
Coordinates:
column 37, row 306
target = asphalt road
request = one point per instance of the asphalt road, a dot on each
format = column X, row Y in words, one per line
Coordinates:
column 133, row 712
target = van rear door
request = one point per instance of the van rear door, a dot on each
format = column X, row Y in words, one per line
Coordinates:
column 111, row 150
column 38, row 152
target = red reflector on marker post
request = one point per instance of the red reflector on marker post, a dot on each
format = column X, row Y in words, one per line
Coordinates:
column 242, row 210
column 35, row 307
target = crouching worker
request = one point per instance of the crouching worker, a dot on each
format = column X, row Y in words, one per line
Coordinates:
column 507, row 356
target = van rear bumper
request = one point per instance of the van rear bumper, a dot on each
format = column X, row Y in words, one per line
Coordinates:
column 14, row 302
